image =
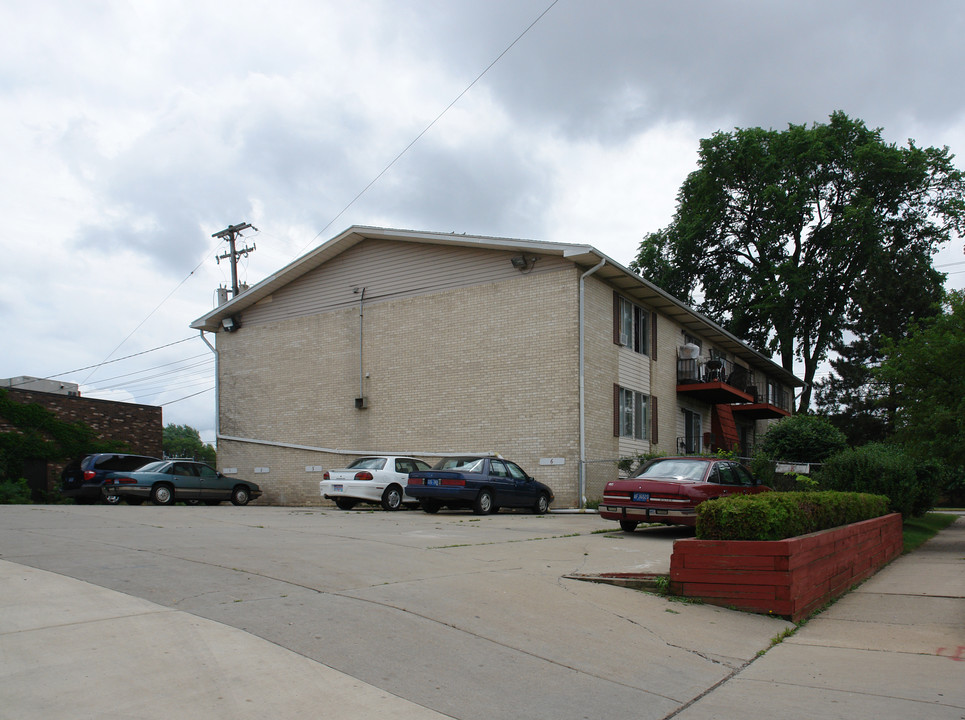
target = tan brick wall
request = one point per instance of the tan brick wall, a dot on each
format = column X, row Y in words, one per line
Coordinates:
column 487, row 368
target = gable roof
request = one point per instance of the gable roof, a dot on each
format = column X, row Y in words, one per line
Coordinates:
column 623, row 279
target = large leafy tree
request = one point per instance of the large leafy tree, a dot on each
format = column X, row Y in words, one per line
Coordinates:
column 775, row 231
column 185, row 442
column 897, row 291
column 927, row 370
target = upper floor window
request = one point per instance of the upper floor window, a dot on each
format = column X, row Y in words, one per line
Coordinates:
column 631, row 325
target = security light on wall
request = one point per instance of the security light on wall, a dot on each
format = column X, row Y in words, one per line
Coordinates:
column 523, row 263
column 229, row 324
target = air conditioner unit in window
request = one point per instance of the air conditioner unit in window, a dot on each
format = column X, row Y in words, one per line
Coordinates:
column 688, row 351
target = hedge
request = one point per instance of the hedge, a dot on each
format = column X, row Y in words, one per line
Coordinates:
column 775, row 516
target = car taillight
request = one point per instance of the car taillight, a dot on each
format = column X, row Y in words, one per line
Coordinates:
column 120, row 480
column 89, row 475
column 416, row 481
column 363, row 475
column 326, row 476
column 453, row 481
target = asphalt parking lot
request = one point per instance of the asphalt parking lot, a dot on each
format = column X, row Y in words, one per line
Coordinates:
column 471, row 617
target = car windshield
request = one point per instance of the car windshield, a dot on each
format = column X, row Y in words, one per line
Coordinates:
column 462, row 464
column 372, row 463
column 677, row 467
column 153, row 467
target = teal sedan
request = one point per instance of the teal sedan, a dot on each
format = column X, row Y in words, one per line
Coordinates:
column 169, row 481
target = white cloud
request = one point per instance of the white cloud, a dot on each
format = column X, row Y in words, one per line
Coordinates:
column 131, row 132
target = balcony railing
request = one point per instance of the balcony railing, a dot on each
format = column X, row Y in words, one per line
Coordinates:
column 723, row 381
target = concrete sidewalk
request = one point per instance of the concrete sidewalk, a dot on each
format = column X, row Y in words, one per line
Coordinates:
column 893, row 648
column 69, row 649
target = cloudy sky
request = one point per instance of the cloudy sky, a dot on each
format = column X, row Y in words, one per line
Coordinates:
column 130, row 132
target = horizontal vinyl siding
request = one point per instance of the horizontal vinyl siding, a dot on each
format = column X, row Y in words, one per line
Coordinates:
column 388, row 270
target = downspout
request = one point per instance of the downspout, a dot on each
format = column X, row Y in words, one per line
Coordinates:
column 217, row 392
column 582, row 478
column 361, row 292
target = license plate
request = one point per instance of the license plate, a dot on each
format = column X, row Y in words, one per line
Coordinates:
column 338, row 488
column 432, row 482
column 641, row 497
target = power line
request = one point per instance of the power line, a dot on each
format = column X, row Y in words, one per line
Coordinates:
column 200, row 392
column 430, row 125
column 126, row 357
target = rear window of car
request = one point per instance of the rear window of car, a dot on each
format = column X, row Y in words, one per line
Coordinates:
column 372, row 463
column 462, row 464
column 154, row 466
column 691, row 469
column 122, row 463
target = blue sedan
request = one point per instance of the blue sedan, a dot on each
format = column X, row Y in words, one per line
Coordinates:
column 484, row 484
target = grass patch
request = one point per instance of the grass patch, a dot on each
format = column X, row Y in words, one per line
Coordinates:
column 915, row 531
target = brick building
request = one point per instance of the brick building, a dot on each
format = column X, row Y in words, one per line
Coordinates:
column 427, row 344
column 138, row 426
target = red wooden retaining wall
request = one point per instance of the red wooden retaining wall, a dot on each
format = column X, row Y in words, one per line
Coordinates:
column 791, row 578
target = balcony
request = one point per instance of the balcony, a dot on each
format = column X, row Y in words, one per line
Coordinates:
column 722, row 382
column 713, row 381
column 769, row 401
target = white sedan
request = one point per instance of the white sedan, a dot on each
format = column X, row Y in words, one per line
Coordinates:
column 376, row 479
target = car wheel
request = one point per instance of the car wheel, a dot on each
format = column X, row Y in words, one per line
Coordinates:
column 484, row 503
column 162, row 494
column 240, row 496
column 392, row 498
column 431, row 506
column 112, row 499
column 345, row 503
column 541, row 505
column 628, row 525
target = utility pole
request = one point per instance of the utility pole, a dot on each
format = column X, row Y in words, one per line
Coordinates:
column 232, row 232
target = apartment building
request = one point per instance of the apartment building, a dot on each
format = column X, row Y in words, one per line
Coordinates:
column 429, row 344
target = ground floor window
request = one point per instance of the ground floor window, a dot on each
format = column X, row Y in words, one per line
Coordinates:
column 631, row 413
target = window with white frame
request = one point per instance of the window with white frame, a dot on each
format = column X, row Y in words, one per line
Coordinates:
column 631, row 325
column 631, row 413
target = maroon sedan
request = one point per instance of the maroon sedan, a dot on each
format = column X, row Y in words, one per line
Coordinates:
column 669, row 489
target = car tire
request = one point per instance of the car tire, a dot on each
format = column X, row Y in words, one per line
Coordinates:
column 431, row 506
column 345, row 503
column 162, row 494
column 112, row 499
column 542, row 504
column 392, row 498
column 240, row 495
column 628, row 525
column 483, row 504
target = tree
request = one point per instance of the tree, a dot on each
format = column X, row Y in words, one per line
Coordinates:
column 775, row 231
column 927, row 370
column 184, row 441
column 803, row 439
column 857, row 401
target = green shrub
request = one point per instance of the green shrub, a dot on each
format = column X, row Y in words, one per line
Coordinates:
column 911, row 486
column 774, row 516
column 804, row 439
column 14, row 492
